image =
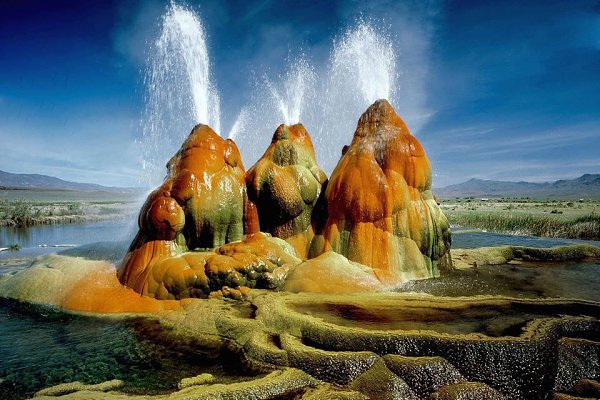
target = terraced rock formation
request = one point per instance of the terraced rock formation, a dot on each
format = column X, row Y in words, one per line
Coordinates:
column 381, row 345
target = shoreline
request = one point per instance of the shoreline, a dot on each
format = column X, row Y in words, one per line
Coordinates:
column 532, row 217
column 61, row 220
column 282, row 336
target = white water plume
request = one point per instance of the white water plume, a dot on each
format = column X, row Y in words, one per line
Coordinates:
column 364, row 62
column 290, row 93
column 239, row 125
column 288, row 99
column 361, row 70
column 179, row 91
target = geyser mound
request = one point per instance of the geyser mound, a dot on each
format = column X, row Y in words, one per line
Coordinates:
column 285, row 184
column 381, row 211
column 201, row 205
column 199, row 231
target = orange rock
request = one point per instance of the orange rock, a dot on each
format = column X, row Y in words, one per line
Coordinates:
column 285, row 185
column 258, row 261
column 201, row 205
column 100, row 291
column 381, row 212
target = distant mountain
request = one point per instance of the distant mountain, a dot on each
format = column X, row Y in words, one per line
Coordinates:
column 586, row 186
column 44, row 182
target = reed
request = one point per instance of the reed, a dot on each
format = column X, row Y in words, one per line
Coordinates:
column 26, row 213
column 582, row 227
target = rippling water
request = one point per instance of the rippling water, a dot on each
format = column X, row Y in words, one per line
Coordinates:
column 41, row 347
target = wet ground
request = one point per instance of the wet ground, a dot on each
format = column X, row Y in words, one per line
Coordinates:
column 41, row 347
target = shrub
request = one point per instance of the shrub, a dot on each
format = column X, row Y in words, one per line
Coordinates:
column 14, row 247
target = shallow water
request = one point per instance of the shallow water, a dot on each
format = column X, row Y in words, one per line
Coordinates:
column 577, row 280
column 469, row 239
column 41, row 347
column 98, row 241
column 495, row 320
column 34, row 239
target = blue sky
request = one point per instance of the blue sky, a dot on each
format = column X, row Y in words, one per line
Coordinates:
column 506, row 90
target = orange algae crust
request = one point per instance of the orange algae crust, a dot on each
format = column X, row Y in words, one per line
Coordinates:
column 285, row 184
column 78, row 284
column 257, row 261
column 100, row 291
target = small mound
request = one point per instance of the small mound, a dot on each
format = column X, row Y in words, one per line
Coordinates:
column 78, row 284
column 331, row 273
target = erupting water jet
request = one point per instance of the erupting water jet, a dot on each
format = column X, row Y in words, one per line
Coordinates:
column 289, row 95
column 180, row 92
column 361, row 70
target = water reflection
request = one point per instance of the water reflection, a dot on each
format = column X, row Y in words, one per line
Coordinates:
column 493, row 319
column 76, row 234
column 578, row 280
column 468, row 239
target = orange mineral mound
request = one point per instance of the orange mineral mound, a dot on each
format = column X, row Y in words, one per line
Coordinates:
column 100, row 291
column 201, row 205
column 78, row 284
column 285, row 185
column 381, row 212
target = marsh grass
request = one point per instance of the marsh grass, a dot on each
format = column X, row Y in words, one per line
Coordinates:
column 582, row 227
column 26, row 213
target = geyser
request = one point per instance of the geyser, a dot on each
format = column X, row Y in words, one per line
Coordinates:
column 289, row 95
column 377, row 212
column 361, row 69
column 179, row 90
column 199, row 231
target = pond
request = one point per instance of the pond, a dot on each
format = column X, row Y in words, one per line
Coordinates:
column 42, row 347
column 490, row 319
